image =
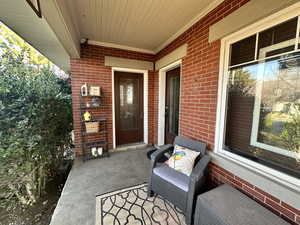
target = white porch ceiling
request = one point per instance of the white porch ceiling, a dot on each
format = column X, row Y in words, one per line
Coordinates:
column 140, row 25
column 145, row 25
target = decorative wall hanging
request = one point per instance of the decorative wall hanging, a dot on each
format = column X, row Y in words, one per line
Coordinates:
column 95, row 91
column 92, row 127
column 84, row 90
column 95, row 102
column 87, row 116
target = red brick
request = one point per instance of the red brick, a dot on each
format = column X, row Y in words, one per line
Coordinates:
column 298, row 219
column 267, row 195
column 244, row 182
column 254, row 193
column 272, row 210
column 296, row 211
column 292, row 222
column 281, row 209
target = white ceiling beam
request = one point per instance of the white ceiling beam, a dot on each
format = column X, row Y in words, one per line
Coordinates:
column 57, row 15
column 20, row 17
column 124, row 47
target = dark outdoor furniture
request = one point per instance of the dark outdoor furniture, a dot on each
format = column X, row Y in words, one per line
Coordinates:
column 150, row 151
column 225, row 205
column 176, row 187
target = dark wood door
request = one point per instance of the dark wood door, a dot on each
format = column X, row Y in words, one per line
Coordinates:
column 129, row 107
column 172, row 105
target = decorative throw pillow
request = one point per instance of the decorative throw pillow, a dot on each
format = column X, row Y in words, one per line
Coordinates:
column 183, row 159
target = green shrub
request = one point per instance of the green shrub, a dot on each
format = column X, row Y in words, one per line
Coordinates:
column 35, row 126
column 291, row 134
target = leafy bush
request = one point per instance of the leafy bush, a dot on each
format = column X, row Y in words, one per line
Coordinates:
column 35, row 126
column 291, row 134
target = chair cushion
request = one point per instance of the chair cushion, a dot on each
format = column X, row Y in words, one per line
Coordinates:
column 183, row 159
column 190, row 144
column 178, row 179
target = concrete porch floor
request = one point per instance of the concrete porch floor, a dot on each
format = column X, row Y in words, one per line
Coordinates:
column 76, row 205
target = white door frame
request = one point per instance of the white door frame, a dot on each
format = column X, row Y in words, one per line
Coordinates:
column 162, row 100
column 145, row 80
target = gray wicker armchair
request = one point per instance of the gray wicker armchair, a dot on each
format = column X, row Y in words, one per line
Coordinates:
column 176, row 187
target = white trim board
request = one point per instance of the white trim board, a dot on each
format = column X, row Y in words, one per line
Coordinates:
column 124, row 47
column 145, row 80
column 173, row 56
column 128, row 63
column 162, row 100
column 59, row 19
column 265, row 173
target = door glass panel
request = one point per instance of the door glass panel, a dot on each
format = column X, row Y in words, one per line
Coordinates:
column 129, row 104
column 173, row 118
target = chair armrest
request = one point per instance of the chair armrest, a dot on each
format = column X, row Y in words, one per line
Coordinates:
column 155, row 156
column 199, row 169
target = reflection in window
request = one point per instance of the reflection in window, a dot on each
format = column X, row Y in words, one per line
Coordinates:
column 277, row 105
column 263, row 113
column 278, row 39
column 274, row 41
column 243, row 51
column 173, row 118
column 263, row 99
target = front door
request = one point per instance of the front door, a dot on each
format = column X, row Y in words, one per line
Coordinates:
column 129, row 107
column 172, row 105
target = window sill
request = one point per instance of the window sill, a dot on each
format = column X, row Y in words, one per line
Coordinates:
column 273, row 175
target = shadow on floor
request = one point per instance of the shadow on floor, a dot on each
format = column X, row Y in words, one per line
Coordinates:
column 76, row 205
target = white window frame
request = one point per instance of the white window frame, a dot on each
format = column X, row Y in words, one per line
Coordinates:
column 270, row 173
column 256, row 112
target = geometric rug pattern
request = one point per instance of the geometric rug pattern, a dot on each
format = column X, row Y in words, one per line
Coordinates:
column 131, row 206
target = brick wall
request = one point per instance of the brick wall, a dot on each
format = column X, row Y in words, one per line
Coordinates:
column 199, row 80
column 199, row 85
column 90, row 69
column 152, row 105
column 218, row 176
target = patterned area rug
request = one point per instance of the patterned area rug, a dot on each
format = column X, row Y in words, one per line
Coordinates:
column 131, row 206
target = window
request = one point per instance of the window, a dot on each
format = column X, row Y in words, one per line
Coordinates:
column 262, row 107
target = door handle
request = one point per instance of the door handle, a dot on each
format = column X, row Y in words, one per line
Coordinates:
column 166, row 111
